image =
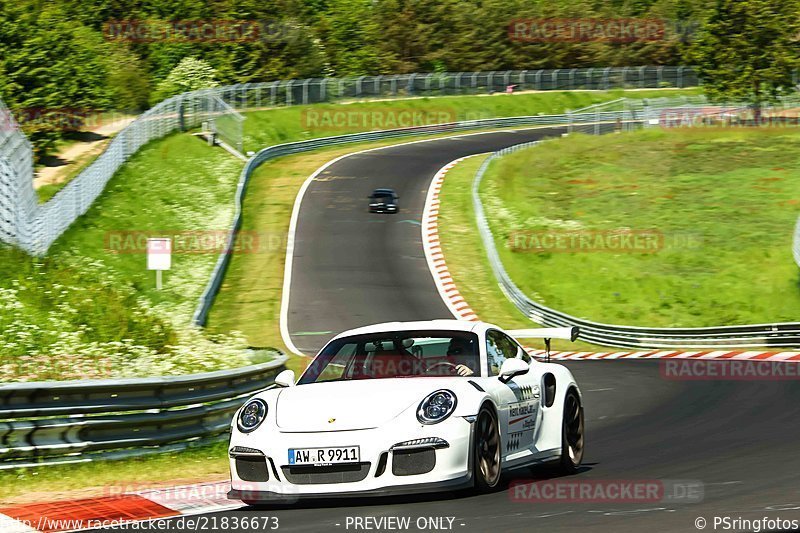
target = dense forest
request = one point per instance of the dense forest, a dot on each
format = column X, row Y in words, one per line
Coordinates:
column 81, row 54
column 126, row 55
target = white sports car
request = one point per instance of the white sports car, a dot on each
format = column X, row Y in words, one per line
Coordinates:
column 407, row 407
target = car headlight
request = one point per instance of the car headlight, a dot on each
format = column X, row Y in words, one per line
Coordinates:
column 252, row 414
column 436, row 407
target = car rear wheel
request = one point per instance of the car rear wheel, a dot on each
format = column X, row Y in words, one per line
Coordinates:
column 486, row 452
column 572, row 433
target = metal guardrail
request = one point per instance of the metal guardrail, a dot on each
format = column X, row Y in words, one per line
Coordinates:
column 776, row 335
column 212, row 289
column 43, row 423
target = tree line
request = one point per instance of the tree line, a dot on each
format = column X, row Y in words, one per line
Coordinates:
column 123, row 54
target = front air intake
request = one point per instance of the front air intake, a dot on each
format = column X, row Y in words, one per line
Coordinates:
column 413, row 462
column 252, row 468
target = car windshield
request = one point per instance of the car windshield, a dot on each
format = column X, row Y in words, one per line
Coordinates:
column 382, row 197
column 397, row 354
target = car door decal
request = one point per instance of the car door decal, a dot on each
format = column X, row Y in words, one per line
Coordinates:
column 523, row 392
column 522, row 416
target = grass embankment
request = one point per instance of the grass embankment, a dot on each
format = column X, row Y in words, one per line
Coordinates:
column 467, row 261
column 720, row 204
column 90, row 308
column 90, row 480
column 286, row 124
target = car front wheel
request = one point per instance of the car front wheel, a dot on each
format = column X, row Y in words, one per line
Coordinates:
column 486, row 452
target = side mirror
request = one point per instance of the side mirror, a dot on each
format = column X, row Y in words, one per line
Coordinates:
column 285, row 379
column 511, row 368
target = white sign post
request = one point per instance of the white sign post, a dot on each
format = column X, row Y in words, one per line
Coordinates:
column 159, row 257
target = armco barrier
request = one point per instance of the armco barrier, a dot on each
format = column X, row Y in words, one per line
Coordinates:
column 783, row 335
column 61, row 422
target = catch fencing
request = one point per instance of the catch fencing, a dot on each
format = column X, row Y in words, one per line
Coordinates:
column 47, row 423
column 33, row 227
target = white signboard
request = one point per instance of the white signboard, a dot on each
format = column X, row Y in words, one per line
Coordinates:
column 159, row 254
column 159, row 257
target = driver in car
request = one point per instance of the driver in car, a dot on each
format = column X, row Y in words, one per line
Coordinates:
column 459, row 354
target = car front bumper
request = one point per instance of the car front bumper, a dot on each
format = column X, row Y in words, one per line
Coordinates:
column 384, row 468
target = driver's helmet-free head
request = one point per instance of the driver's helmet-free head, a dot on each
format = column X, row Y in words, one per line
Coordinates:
column 459, row 346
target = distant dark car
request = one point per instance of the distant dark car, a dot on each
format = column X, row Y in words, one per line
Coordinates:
column 383, row 201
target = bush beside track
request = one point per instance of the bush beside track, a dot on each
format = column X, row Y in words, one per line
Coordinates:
column 731, row 268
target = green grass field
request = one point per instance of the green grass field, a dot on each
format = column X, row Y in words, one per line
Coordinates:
column 720, row 206
column 467, row 262
column 91, row 309
column 286, row 124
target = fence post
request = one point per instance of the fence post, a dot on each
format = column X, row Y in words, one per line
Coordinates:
column 289, row 95
column 410, row 85
column 359, row 81
column 181, row 123
column 273, row 93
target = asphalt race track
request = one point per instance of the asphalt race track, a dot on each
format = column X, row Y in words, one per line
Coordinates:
column 740, row 439
column 353, row 268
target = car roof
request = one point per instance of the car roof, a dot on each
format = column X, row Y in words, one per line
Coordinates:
column 383, row 190
column 443, row 325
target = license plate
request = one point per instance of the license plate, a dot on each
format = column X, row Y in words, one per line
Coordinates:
column 324, row 456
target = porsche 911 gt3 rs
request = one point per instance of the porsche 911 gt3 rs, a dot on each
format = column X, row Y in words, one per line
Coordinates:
column 408, row 407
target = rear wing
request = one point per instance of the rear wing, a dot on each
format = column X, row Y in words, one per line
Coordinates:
column 569, row 333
